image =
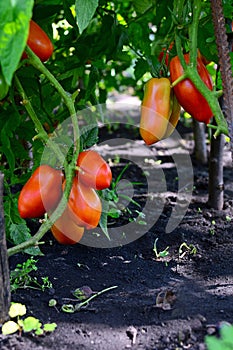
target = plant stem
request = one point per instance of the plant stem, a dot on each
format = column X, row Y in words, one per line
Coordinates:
column 190, row 70
column 69, row 169
column 36, row 62
column 39, row 128
column 78, row 307
column 33, row 241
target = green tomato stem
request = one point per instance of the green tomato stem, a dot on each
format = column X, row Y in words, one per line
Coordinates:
column 36, row 62
column 190, row 70
column 69, row 169
column 39, row 128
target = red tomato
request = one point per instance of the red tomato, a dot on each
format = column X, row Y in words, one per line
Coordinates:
column 65, row 231
column 41, row 193
column 187, row 95
column 84, row 205
column 95, row 172
column 155, row 110
column 39, row 42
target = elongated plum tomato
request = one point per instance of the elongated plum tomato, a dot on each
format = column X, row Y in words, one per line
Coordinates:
column 84, row 205
column 155, row 110
column 174, row 117
column 39, row 42
column 41, row 193
column 187, row 94
column 65, row 230
column 94, row 171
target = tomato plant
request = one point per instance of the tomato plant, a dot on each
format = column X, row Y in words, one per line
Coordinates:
column 84, row 205
column 187, row 94
column 41, row 193
column 39, row 42
column 156, row 110
column 65, row 230
column 93, row 170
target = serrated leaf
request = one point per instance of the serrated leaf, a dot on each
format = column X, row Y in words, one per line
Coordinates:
column 14, row 25
column 89, row 136
column 84, row 12
column 20, row 233
column 10, row 327
column 104, row 218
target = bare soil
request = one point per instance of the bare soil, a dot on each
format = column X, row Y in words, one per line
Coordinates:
column 164, row 303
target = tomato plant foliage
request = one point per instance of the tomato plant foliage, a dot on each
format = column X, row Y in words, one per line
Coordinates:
column 99, row 46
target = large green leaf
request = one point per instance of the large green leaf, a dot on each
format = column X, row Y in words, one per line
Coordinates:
column 14, row 24
column 84, row 12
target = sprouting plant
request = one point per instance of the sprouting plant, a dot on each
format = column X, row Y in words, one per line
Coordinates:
column 112, row 205
column 83, row 297
column 29, row 324
column 184, row 248
column 21, row 277
column 162, row 253
column 212, row 229
column 222, row 342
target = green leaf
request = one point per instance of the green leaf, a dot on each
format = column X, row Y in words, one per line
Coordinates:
column 141, row 6
column 104, row 218
column 10, row 327
column 85, row 11
column 141, row 67
column 20, row 233
column 14, row 25
column 89, row 136
column 17, row 309
column 50, row 327
column 29, row 324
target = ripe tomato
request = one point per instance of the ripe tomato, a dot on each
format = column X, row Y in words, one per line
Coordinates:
column 84, row 205
column 174, row 117
column 187, row 95
column 41, row 193
column 155, row 110
column 65, row 231
column 39, row 42
column 95, row 172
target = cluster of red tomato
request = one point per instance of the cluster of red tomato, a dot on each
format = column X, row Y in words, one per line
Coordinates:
column 43, row 191
column 161, row 105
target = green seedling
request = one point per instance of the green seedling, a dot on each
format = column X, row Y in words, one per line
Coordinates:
column 185, row 248
column 160, row 254
column 223, row 342
column 111, row 204
column 29, row 324
column 21, row 277
column 83, row 296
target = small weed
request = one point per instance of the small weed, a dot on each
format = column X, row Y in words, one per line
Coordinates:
column 212, row 229
column 228, row 218
column 29, row 324
column 222, row 342
column 185, row 248
column 21, row 277
column 160, row 254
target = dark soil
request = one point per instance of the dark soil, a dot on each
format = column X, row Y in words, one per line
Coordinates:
column 171, row 302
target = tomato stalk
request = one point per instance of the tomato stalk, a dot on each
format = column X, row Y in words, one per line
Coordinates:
column 191, row 73
column 69, row 168
column 36, row 62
